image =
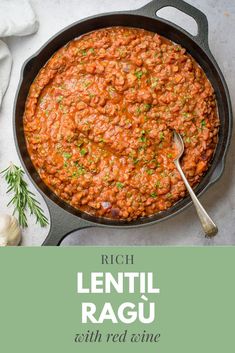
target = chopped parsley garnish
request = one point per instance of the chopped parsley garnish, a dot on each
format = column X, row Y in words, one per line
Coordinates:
column 146, row 118
column 203, row 123
column 119, row 185
column 67, row 155
column 139, row 74
column 80, row 170
column 150, row 171
column 142, row 139
column 147, row 107
column 153, row 194
column 161, row 135
column 83, row 51
column 86, row 84
column 169, row 155
column 83, row 151
column 158, row 184
column 135, row 160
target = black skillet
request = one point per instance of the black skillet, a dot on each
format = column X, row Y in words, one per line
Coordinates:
column 66, row 219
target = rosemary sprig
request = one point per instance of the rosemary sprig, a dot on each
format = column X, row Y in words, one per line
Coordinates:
column 23, row 198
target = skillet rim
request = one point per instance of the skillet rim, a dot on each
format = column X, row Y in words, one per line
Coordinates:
column 210, row 177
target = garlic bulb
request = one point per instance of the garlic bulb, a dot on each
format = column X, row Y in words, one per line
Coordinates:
column 10, row 232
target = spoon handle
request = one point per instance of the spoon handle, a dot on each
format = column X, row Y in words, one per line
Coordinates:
column 208, row 225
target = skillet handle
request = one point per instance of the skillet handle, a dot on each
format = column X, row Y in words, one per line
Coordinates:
column 62, row 224
column 202, row 36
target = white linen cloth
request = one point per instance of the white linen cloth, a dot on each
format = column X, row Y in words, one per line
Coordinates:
column 17, row 18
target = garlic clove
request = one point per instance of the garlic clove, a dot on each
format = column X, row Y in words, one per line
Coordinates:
column 10, row 232
column 3, row 241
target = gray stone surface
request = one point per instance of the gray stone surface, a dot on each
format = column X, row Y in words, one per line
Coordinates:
column 219, row 200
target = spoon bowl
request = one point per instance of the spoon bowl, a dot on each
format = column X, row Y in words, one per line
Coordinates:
column 179, row 144
column 209, row 227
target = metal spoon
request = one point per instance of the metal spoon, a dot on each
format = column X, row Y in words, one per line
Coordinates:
column 208, row 225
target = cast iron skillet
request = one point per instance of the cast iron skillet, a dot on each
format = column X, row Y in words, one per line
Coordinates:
column 64, row 218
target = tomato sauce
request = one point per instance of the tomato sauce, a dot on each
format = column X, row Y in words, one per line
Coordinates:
column 99, row 121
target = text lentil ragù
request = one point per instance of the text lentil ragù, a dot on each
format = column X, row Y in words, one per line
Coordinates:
column 99, row 119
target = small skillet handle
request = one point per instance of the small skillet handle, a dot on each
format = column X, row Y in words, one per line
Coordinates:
column 62, row 224
column 202, row 37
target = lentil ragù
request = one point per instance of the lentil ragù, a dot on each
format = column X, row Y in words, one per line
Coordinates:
column 99, row 117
